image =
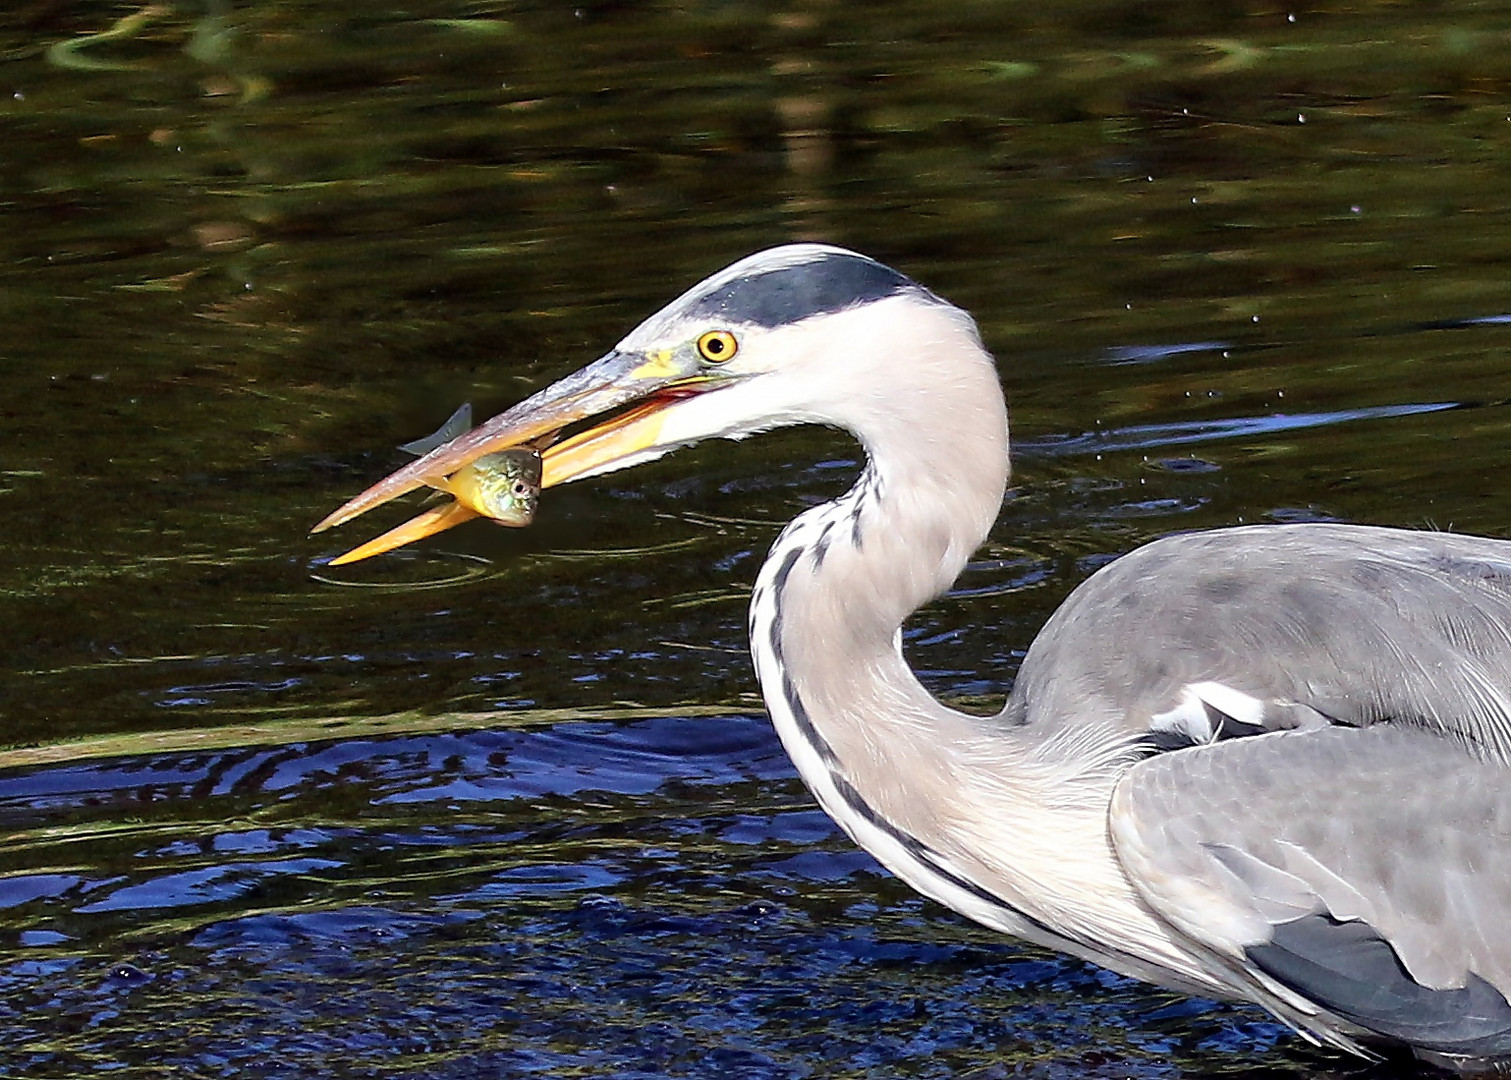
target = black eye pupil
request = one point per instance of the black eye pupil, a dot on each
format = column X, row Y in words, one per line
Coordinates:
column 716, row 346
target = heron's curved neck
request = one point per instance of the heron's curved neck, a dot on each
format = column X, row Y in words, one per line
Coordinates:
column 842, row 578
column 935, row 437
column 965, row 809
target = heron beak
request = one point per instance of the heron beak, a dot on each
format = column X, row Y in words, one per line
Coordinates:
column 436, row 519
column 628, row 389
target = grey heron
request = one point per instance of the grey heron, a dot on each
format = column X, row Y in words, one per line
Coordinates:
column 1259, row 763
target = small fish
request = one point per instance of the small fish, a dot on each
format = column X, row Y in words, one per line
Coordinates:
column 503, row 486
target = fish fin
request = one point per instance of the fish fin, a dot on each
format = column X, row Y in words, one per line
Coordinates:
column 460, row 423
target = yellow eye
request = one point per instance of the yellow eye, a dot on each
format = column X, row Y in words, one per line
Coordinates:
column 717, row 346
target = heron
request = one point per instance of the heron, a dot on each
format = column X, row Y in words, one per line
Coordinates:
column 1263, row 763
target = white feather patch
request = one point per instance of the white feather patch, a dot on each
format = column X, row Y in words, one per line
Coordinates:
column 1192, row 717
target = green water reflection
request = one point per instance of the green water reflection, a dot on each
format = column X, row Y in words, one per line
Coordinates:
column 248, row 248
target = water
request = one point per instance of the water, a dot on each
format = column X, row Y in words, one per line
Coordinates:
column 506, row 804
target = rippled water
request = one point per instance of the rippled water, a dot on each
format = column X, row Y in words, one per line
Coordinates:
column 638, row 896
column 506, row 804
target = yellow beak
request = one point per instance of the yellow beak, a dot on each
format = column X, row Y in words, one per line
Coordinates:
column 436, row 519
column 611, row 383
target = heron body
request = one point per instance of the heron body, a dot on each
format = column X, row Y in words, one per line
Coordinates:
column 1265, row 763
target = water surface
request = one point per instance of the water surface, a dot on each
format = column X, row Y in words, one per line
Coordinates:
column 506, row 804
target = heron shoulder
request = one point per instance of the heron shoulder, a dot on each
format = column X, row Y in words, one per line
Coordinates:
column 1285, row 626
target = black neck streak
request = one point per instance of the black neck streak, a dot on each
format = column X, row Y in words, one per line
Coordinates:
column 846, row 791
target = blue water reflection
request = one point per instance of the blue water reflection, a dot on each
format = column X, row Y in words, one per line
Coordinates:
column 709, row 920
column 1149, row 436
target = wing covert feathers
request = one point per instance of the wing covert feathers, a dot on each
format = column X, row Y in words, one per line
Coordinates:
column 1365, row 871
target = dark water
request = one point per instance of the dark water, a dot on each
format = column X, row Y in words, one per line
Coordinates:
column 506, row 804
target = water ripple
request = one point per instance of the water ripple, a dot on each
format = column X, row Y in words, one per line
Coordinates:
column 1149, row 436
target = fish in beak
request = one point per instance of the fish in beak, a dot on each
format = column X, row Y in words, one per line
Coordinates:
column 622, row 398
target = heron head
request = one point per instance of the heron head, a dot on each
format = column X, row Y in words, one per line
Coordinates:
column 772, row 340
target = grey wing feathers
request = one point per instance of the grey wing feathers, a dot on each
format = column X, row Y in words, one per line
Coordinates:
column 1367, row 872
column 1297, row 626
column 1354, row 973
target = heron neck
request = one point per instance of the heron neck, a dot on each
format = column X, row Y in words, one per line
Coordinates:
column 966, row 809
column 969, row 811
column 841, row 579
column 935, row 437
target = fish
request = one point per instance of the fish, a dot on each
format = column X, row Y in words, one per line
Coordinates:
column 503, row 487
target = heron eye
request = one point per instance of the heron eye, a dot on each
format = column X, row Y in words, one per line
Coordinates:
column 717, row 346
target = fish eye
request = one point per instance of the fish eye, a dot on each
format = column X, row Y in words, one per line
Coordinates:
column 520, row 487
column 717, row 346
